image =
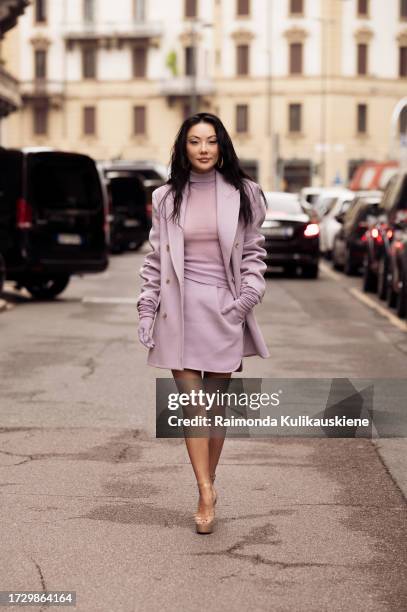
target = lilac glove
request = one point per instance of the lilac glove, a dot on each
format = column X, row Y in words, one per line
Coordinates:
column 144, row 331
column 248, row 298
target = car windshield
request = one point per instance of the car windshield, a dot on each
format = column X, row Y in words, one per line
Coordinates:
column 290, row 206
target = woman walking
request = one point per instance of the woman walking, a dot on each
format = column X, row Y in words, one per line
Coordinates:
column 201, row 280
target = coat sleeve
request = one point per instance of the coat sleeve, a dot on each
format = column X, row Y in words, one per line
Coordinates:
column 150, row 271
column 253, row 266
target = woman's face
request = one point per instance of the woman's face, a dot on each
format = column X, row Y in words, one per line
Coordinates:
column 202, row 147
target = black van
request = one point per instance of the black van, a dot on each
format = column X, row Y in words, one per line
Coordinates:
column 130, row 185
column 53, row 218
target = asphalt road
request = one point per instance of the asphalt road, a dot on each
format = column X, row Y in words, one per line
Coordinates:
column 93, row 502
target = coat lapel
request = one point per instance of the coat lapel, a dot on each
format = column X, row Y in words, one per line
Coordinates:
column 227, row 215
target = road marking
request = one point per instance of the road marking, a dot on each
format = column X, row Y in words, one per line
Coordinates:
column 362, row 297
column 109, row 300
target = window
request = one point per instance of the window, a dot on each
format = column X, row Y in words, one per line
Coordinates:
column 191, row 8
column 296, row 7
column 362, row 119
column 186, row 110
column 243, row 8
column 242, row 57
column 190, row 65
column 403, row 9
column 294, row 118
column 362, row 58
column 88, row 11
column 40, row 64
column 139, row 120
column 89, row 120
column 242, row 118
column 40, row 11
column 403, row 121
column 403, row 62
column 296, row 58
column 139, row 61
column 40, row 119
column 363, row 8
column 89, row 62
column 139, row 10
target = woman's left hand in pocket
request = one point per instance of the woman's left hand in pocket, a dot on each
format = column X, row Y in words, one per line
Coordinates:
column 233, row 307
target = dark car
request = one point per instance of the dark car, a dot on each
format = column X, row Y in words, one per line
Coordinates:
column 53, row 218
column 130, row 185
column 2, row 272
column 378, row 242
column 396, row 255
column 350, row 242
column 291, row 237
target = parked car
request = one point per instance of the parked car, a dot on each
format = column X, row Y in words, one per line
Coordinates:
column 309, row 195
column 329, row 226
column 2, row 272
column 326, row 197
column 53, row 218
column 350, row 242
column 291, row 238
column 395, row 205
column 130, row 185
column 379, row 238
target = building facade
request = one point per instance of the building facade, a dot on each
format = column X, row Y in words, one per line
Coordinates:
column 306, row 88
column 10, row 98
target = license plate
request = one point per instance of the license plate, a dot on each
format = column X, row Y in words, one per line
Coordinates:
column 283, row 232
column 131, row 223
column 69, row 239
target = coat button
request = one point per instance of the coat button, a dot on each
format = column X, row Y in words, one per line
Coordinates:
column 164, row 315
column 167, row 281
column 237, row 244
column 167, row 247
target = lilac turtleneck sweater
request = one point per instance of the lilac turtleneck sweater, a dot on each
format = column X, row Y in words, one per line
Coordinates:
column 203, row 260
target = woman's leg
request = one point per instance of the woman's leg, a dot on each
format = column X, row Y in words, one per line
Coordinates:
column 198, row 447
column 213, row 383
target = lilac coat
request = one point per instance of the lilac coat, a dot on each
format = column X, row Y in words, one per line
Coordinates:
column 163, row 268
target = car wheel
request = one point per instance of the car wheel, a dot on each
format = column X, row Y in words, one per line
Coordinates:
column 310, row 271
column 382, row 278
column 391, row 294
column 336, row 265
column 2, row 273
column 349, row 268
column 369, row 279
column 401, row 305
column 290, row 270
column 46, row 288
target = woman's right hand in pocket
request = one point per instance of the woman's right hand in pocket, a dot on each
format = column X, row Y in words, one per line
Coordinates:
column 144, row 332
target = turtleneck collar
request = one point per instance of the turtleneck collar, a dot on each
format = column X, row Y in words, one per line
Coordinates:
column 202, row 177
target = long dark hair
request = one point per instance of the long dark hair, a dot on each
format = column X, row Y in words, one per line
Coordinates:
column 180, row 165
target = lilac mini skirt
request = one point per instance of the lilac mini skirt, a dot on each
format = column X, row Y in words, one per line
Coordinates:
column 213, row 342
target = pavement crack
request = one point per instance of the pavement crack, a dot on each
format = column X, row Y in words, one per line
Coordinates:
column 90, row 364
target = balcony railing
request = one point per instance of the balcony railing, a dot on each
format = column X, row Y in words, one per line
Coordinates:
column 10, row 98
column 186, row 85
column 88, row 31
column 45, row 89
